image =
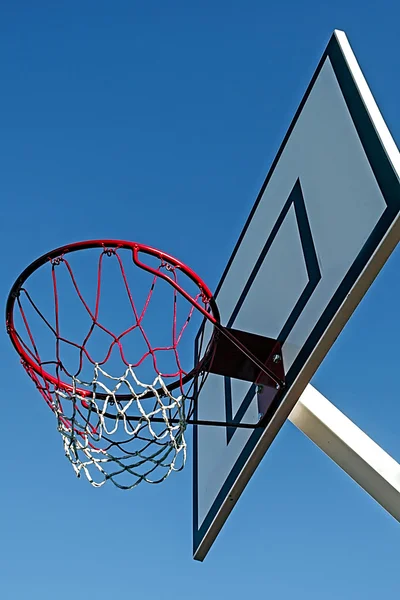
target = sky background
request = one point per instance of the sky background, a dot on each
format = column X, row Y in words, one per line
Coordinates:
column 157, row 122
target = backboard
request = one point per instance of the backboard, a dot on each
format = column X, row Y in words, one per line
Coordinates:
column 324, row 223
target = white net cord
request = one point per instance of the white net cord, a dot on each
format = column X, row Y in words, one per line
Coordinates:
column 156, row 439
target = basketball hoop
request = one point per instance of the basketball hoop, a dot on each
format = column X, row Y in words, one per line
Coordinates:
column 114, row 425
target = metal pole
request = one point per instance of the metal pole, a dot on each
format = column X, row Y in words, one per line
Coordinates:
column 350, row 448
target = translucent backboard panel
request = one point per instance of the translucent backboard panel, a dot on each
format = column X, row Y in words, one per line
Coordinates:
column 322, row 226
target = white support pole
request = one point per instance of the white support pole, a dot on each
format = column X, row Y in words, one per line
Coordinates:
column 350, row 448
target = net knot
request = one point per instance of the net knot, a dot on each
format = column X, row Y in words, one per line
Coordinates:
column 57, row 260
column 109, row 251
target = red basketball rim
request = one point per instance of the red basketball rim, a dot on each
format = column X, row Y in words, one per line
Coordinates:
column 212, row 314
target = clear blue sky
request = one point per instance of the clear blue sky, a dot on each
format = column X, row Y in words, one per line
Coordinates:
column 157, row 122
